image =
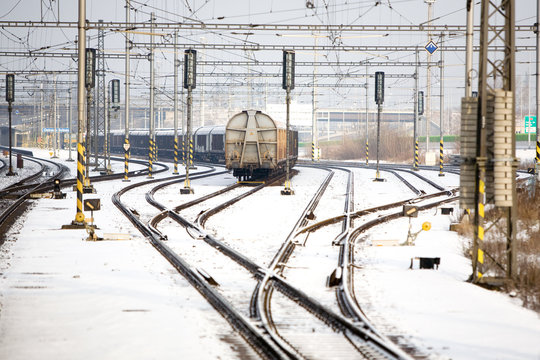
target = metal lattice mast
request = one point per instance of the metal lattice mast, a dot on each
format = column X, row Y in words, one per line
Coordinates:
column 495, row 161
column 100, row 104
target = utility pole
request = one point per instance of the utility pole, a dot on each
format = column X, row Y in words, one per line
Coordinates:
column 151, row 125
column 55, row 121
column 367, row 117
column 314, row 131
column 41, row 114
column 81, row 72
column 176, row 64
column 441, row 111
column 126, row 105
column 415, row 126
column 202, row 114
column 69, row 123
column 428, row 79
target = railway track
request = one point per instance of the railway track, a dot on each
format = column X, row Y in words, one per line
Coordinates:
column 332, row 320
column 355, row 338
column 16, row 195
column 237, row 320
column 12, row 208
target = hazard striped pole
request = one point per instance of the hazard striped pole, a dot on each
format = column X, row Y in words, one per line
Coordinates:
column 191, row 152
column 537, row 154
column 81, row 72
column 416, row 159
column 313, row 151
column 150, row 156
column 175, row 172
column 479, row 265
column 441, row 158
column 126, row 158
column 367, row 152
column 183, row 151
column 79, row 217
column 155, row 149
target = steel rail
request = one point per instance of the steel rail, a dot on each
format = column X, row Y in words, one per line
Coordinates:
column 236, row 319
column 36, row 187
column 330, row 318
column 345, row 290
column 30, row 177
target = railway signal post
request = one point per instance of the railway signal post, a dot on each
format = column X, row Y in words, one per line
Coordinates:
column 10, row 97
column 288, row 85
column 190, row 74
column 379, row 99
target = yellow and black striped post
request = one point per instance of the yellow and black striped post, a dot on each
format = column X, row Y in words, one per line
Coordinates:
column 416, row 159
column 183, row 152
column 150, row 156
column 191, row 153
column 367, row 152
column 441, row 157
column 126, row 158
column 175, row 172
column 479, row 271
column 313, row 151
column 537, row 170
column 79, row 216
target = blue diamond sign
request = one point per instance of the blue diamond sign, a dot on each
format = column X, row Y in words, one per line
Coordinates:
column 431, row 47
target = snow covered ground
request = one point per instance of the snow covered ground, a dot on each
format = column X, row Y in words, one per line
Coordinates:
column 65, row 298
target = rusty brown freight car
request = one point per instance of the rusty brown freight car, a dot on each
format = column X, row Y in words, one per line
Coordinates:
column 255, row 145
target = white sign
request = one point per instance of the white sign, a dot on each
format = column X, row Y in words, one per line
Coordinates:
column 126, row 147
column 62, row 130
